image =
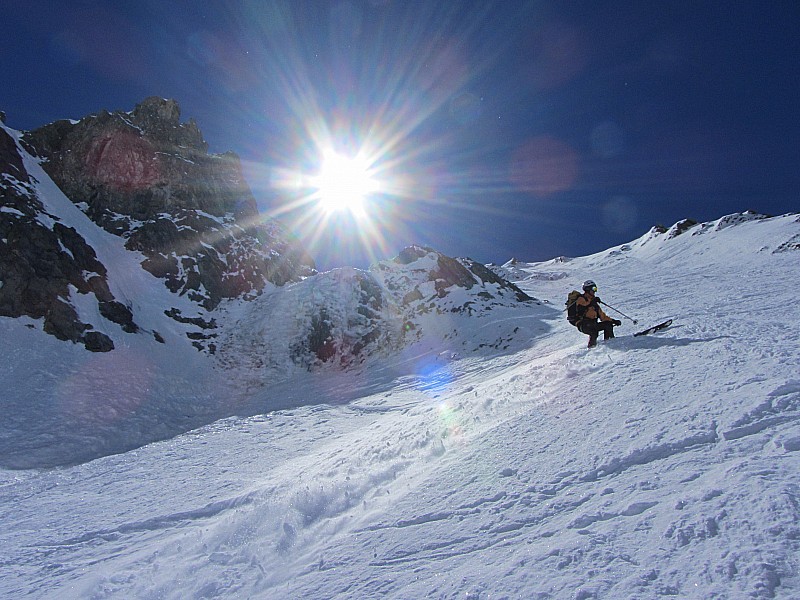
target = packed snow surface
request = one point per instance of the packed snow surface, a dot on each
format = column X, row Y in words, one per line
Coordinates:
column 486, row 461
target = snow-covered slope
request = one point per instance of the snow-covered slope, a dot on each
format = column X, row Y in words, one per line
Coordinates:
column 476, row 464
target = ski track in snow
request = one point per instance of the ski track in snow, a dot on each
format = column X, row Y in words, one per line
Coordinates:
column 660, row 466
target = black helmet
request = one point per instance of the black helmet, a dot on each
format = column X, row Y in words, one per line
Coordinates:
column 589, row 285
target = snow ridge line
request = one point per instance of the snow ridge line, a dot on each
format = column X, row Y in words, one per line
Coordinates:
column 162, row 522
column 650, row 454
column 773, row 411
column 759, row 426
column 631, row 510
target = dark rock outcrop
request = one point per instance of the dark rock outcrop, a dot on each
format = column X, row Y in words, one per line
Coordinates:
column 446, row 272
column 681, row 227
column 148, row 177
column 40, row 262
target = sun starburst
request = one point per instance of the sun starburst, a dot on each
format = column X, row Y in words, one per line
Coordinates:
column 344, row 183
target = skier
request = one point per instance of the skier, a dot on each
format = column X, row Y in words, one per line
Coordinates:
column 588, row 308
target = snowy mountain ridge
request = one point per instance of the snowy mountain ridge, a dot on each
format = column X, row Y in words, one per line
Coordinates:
column 89, row 204
column 345, row 316
column 184, row 216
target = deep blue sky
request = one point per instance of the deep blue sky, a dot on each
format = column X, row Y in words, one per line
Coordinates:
column 527, row 129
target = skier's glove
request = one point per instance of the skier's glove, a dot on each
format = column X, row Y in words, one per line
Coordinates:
column 616, row 322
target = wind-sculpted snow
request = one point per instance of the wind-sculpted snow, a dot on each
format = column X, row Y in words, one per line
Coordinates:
column 495, row 456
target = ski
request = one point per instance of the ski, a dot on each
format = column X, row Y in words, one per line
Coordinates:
column 654, row 328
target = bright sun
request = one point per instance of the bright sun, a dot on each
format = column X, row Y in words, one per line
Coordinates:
column 344, row 183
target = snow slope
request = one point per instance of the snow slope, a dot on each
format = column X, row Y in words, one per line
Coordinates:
column 478, row 464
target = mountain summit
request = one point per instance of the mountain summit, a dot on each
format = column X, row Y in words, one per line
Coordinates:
column 147, row 179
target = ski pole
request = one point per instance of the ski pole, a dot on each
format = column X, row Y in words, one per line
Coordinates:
column 619, row 311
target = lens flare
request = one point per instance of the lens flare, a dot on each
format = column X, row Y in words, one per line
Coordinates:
column 544, row 166
column 452, row 423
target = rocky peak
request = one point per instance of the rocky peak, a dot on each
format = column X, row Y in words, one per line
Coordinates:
column 139, row 164
column 157, row 111
column 160, row 118
column 147, row 178
column 42, row 260
column 11, row 166
column 445, row 272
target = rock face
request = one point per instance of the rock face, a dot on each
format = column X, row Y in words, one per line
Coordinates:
column 424, row 267
column 39, row 263
column 148, row 177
